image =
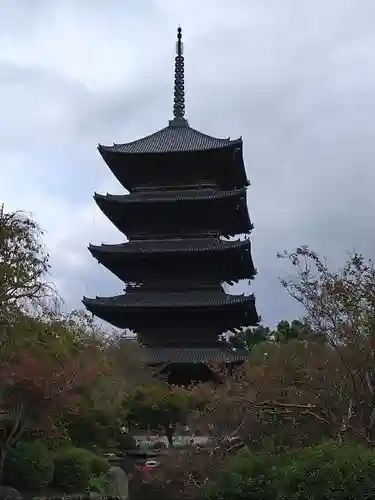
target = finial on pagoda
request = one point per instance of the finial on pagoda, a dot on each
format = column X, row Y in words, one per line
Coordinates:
column 179, row 88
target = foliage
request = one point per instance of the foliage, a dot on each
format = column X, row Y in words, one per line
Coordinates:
column 98, row 484
column 99, row 419
column 157, row 407
column 73, row 469
column 249, row 337
column 126, row 357
column 99, row 465
column 328, row 470
column 319, row 384
column 23, row 266
column 57, row 441
column 46, row 358
column 44, row 369
column 284, row 332
column 127, row 442
column 340, row 305
column 29, row 466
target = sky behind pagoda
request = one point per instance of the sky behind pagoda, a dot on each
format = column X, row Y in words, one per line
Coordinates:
column 295, row 78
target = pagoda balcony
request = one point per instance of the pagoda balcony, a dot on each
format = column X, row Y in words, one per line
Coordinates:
column 182, row 259
column 177, row 212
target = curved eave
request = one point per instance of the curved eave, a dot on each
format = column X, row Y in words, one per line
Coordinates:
column 118, row 303
column 237, row 313
column 171, row 140
column 111, row 150
column 178, row 247
column 169, row 197
column 129, row 262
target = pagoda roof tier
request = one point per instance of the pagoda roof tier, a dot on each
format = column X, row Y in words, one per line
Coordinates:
column 154, row 299
column 173, row 245
column 178, row 136
column 177, row 212
column 145, row 260
column 188, row 355
column 207, row 307
column 223, row 166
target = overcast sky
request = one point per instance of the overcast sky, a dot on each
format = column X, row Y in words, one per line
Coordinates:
column 295, row 78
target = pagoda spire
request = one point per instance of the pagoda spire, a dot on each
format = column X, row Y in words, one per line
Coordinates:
column 179, row 87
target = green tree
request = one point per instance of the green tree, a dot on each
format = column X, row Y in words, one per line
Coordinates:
column 157, row 407
column 249, row 337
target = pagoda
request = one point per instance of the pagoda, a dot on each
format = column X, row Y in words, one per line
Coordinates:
column 186, row 203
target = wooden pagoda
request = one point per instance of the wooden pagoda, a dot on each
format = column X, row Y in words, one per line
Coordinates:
column 187, row 195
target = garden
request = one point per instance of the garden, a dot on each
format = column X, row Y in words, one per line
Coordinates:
column 296, row 421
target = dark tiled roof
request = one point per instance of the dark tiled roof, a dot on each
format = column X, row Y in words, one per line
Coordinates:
column 171, row 139
column 191, row 355
column 153, row 299
column 170, row 196
column 170, row 246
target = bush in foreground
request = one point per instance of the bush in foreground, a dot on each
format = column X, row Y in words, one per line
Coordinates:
column 327, row 471
column 127, row 442
column 76, row 468
column 29, row 466
column 72, row 470
column 99, row 465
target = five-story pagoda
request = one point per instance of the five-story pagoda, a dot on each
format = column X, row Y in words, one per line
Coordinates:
column 187, row 196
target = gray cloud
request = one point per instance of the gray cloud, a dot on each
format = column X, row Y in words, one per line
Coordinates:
column 295, row 79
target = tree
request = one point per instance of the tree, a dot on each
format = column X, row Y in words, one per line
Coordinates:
column 157, row 407
column 250, row 337
column 126, row 356
column 24, row 265
column 44, row 368
column 284, row 332
column 99, row 418
column 340, row 305
column 297, row 329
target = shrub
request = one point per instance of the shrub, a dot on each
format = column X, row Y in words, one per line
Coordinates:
column 29, row 466
column 57, row 442
column 329, row 470
column 127, row 442
column 84, row 463
column 98, row 484
column 99, row 465
column 72, row 469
